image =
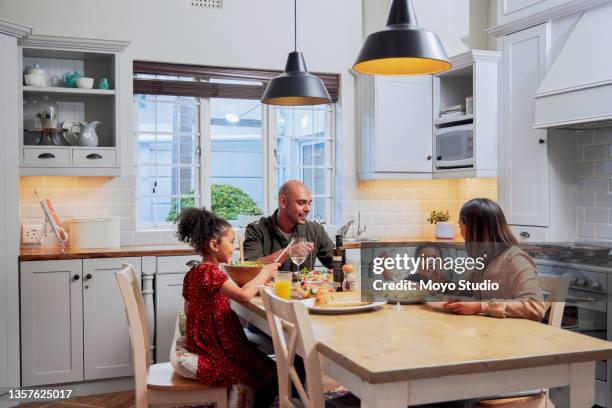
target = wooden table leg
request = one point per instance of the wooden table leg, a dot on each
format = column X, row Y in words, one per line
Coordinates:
column 582, row 385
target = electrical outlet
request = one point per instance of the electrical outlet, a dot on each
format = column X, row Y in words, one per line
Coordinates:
column 30, row 234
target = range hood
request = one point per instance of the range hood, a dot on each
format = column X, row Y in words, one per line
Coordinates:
column 576, row 92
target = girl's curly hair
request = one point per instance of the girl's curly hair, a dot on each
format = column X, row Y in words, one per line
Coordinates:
column 197, row 226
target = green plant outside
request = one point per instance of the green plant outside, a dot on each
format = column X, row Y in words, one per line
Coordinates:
column 228, row 202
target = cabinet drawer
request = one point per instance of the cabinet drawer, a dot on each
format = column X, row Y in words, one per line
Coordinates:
column 41, row 157
column 94, row 158
column 530, row 234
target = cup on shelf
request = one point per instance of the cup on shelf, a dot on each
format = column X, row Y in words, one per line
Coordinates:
column 84, row 82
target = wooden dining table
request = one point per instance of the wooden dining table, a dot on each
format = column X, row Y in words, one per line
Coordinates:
column 397, row 356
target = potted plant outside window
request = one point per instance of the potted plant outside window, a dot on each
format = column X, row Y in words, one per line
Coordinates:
column 444, row 229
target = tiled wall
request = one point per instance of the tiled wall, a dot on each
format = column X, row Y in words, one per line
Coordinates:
column 88, row 197
column 594, row 185
column 401, row 207
column 388, row 208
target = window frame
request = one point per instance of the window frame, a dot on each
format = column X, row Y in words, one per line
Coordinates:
column 270, row 181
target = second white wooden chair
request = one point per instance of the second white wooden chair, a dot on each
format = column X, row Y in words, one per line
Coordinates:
column 157, row 383
column 556, row 288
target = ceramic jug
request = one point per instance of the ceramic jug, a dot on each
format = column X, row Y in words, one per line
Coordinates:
column 70, row 79
column 87, row 134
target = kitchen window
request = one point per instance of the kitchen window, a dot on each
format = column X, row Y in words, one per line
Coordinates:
column 167, row 158
column 207, row 140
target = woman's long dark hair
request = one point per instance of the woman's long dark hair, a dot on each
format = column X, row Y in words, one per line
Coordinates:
column 487, row 231
column 198, row 226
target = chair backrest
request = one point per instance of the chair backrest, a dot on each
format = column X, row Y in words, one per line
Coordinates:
column 137, row 320
column 300, row 338
column 556, row 288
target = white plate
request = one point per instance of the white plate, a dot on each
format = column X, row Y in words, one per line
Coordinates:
column 310, row 304
column 70, row 132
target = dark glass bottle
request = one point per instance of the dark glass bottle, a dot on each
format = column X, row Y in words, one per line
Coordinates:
column 339, row 260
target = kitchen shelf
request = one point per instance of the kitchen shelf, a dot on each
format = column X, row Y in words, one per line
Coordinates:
column 453, row 119
column 68, row 91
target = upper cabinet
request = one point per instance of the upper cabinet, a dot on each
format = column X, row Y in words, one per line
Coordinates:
column 511, row 10
column 395, row 125
column 404, row 134
column 465, row 139
column 70, row 126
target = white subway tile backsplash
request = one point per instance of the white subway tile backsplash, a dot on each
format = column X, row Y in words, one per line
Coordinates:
column 603, row 168
column 597, row 215
column 594, row 185
column 599, row 183
column 585, row 169
column 596, row 152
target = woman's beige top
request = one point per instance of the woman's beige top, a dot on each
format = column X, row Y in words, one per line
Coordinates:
column 519, row 293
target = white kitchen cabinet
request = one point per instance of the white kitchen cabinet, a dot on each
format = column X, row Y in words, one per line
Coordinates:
column 524, row 180
column 91, row 58
column 73, row 321
column 509, row 11
column 396, row 127
column 475, row 74
column 107, row 347
column 536, row 176
column 168, row 300
column 10, row 34
column 51, row 322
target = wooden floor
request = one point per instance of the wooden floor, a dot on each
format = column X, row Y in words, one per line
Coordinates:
column 123, row 399
column 114, row 400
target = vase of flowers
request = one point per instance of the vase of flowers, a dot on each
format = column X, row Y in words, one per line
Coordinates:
column 444, row 229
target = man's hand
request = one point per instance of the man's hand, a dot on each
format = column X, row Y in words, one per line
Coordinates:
column 307, row 247
column 463, row 308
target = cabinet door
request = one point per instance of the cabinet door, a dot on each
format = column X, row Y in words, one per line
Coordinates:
column 168, row 300
column 404, row 124
column 51, row 322
column 108, row 350
column 525, row 178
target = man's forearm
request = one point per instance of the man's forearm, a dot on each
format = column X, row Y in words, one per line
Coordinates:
column 272, row 257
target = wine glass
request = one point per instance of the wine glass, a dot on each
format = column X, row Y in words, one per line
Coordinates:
column 298, row 253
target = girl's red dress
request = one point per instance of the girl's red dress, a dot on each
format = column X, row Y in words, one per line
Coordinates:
column 214, row 333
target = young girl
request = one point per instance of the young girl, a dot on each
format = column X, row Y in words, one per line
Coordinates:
column 214, row 333
column 487, row 234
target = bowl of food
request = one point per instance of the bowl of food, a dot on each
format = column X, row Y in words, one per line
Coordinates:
column 244, row 272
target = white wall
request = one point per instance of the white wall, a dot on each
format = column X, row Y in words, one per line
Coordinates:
column 245, row 33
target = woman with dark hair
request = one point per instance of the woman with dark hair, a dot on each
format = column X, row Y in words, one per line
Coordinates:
column 487, row 235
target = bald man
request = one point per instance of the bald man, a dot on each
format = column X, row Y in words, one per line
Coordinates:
column 265, row 239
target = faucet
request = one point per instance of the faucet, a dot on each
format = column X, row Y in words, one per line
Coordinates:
column 359, row 229
column 344, row 229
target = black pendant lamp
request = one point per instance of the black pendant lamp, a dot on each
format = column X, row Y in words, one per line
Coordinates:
column 403, row 48
column 295, row 86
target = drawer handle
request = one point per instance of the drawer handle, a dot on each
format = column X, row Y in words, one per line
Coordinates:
column 525, row 234
column 46, row 156
column 541, row 141
column 94, row 156
column 76, row 277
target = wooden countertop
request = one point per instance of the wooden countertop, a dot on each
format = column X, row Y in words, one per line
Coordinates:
column 47, row 254
column 399, row 241
column 416, row 342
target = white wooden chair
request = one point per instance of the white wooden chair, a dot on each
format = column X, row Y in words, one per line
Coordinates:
column 556, row 287
column 279, row 311
column 157, row 383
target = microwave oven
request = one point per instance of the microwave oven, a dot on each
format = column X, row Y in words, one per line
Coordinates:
column 454, row 147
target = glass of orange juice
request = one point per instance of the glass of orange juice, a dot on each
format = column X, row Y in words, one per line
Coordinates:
column 282, row 284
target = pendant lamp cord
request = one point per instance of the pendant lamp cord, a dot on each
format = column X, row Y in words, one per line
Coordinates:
column 295, row 25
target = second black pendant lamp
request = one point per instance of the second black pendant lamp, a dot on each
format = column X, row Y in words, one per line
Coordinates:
column 403, row 48
column 295, row 86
